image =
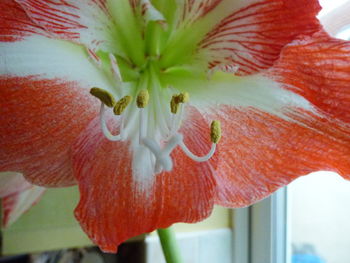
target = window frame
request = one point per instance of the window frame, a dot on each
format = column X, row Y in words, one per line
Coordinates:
column 261, row 232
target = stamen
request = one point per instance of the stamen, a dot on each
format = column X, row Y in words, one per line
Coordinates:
column 195, row 157
column 174, row 106
column 121, row 105
column 142, row 99
column 215, row 131
column 141, row 102
column 215, row 135
column 176, row 100
column 104, row 127
column 183, row 97
column 178, row 118
column 104, row 96
column 143, row 125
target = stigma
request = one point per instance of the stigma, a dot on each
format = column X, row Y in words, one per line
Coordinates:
column 136, row 112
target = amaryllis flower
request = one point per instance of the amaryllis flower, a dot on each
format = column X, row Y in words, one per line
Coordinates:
column 171, row 71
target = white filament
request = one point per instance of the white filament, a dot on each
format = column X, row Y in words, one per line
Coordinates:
column 143, row 125
column 175, row 121
column 162, row 155
column 104, row 127
column 163, row 159
column 195, row 157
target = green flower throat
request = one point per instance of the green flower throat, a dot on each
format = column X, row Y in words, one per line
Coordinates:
column 152, row 59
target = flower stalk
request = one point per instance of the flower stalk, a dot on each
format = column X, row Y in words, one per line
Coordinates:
column 169, row 244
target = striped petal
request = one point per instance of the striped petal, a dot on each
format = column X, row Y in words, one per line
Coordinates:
column 86, row 22
column 265, row 147
column 261, row 152
column 39, row 122
column 190, row 10
column 44, row 98
column 251, row 37
column 114, row 206
column 317, row 68
column 184, row 11
column 17, row 204
column 44, row 105
column 14, row 22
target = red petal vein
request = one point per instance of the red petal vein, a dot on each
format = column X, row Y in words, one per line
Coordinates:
column 252, row 37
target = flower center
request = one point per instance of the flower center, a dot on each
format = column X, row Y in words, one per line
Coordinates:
column 147, row 123
column 149, row 110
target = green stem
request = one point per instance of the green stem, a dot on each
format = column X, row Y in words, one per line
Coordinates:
column 170, row 247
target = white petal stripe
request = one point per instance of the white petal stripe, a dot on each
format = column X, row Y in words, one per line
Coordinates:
column 256, row 91
column 50, row 59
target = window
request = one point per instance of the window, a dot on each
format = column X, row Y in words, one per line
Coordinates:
column 308, row 221
column 260, row 231
column 320, row 226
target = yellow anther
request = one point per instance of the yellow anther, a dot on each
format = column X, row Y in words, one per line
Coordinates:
column 177, row 99
column 104, row 96
column 183, row 97
column 215, row 131
column 121, row 105
column 174, row 106
column 142, row 98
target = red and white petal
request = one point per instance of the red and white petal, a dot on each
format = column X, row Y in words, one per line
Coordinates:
column 11, row 182
column 190, row 11
column 252, row 36
column 261, row 152
column 114, row 206
column 17, row 204
column 86, row 22
column 317, row 68
column 264, row 148
column 45, row 104
column 39, row 121
column 256, row 91
column 15, row 24
column 185, row 12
